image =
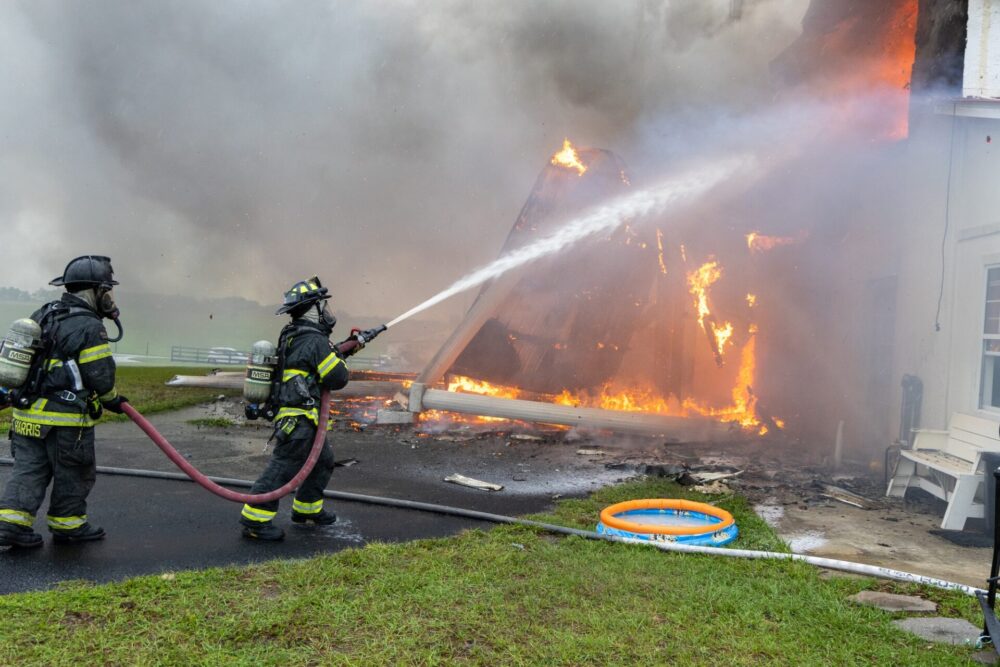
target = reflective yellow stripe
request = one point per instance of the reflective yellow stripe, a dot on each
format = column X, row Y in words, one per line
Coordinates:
column 55, row 363
column 111, row 395
column 292, row 372
column 66, row 522
column 37, row 414
column 257, row 514
column 102, row 351
column 328, row 365
column 307, row 508
column 17, row 516
column 312, row 414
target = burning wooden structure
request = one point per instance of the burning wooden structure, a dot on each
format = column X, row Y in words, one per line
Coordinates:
column 736, row 312
column 618, row 332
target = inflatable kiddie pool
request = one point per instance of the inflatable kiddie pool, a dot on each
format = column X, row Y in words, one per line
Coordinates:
column 669, row 520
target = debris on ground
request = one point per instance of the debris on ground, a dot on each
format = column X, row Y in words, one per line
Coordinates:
column 705, row 477
column 389, row 416
column 844, row 496
column 473, row 483
column 591, row 452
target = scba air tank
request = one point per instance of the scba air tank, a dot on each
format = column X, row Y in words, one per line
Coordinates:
column 260, row 372
column 17, row 351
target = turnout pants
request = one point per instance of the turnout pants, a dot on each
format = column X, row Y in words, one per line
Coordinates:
column 63, row 455
column 293, row 438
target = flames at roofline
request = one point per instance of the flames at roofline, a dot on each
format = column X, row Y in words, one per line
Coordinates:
column 569, row 159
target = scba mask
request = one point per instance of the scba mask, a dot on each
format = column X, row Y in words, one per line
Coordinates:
column 327, row 319
column 106, row 306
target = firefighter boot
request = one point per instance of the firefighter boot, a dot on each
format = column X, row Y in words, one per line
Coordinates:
column 13, row 535
column 85, row 533
column 321, row 518
column 265, row 531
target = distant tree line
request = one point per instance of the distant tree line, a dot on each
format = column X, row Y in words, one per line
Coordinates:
column 39, row 295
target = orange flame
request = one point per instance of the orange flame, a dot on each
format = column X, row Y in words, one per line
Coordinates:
column 461, row 383
column 464, row 384
column 699, row 281
column 742, row 410
column 568, row 158
column 659, row 248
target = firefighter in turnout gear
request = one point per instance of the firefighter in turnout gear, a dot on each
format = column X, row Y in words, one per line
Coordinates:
column 52, row 431
column 307, row 363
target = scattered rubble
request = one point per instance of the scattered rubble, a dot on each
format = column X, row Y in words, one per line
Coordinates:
column 473, row 483
column 847, row 497
column 389, row 416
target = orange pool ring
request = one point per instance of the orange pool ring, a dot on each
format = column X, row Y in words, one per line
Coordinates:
column 676, row 505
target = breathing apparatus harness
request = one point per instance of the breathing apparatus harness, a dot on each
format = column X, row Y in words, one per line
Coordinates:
column 270, row 407
column 53, row 315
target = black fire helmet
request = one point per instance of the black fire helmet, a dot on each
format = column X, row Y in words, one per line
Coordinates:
column 303, row 294
column 87, row 271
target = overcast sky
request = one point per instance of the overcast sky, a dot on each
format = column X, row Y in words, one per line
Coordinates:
column 231, row 148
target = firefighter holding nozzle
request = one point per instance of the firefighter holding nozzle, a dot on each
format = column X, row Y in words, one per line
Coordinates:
column 58, row 374
column 303, row 364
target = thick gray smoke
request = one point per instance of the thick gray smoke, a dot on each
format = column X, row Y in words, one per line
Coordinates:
column 230, row 148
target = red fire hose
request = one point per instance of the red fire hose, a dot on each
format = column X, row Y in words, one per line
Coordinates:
column 204, row 481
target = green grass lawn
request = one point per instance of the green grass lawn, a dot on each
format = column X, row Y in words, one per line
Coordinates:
column 509, row 595
column 145, row 389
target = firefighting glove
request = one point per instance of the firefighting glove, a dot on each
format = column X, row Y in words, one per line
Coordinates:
column 251, row 411
column 115, row 404
column 94, row 407
column 4, row 398
column 359, row 337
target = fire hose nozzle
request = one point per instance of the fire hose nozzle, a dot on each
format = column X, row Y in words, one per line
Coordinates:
column 358, row 339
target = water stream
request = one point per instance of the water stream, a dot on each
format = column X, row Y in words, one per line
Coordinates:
column 632, row 207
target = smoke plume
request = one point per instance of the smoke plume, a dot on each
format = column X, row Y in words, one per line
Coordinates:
column 228, row 149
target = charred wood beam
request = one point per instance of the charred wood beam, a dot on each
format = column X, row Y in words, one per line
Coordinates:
column 695, row 429
column 708, row 324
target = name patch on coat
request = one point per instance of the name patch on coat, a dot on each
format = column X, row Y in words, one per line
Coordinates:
column 27, row 429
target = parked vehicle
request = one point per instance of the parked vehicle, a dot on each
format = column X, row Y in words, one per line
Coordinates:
column 227, row 355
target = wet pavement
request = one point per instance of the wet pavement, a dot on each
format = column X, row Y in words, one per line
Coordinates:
column 157, row 526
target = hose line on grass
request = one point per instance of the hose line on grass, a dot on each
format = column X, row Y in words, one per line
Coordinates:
column 827, row 563
column 207, row 482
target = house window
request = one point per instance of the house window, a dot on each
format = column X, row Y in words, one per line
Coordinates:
column 989, row 392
